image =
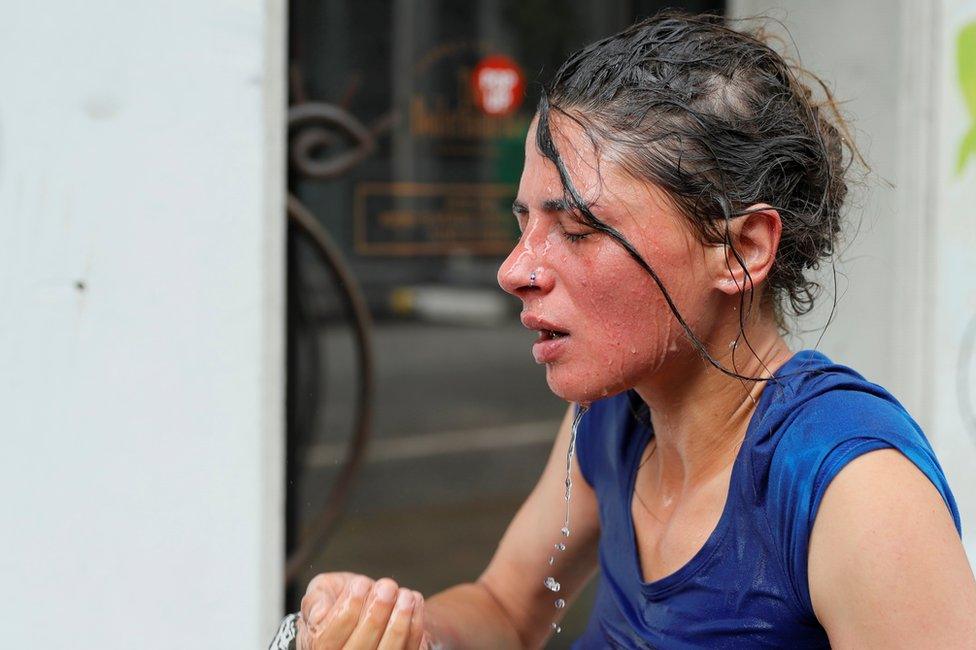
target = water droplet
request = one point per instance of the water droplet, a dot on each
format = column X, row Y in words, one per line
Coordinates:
column 550, row 582
column 633, row 350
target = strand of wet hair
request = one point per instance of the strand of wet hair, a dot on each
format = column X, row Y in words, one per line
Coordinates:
column 548, row 149
column 727, row 214
column 784, row 73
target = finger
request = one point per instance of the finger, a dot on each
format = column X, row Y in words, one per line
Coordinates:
column 302, row 639
column 329, row 580
column 328, row 585
column 332, row 632
column 308, row 602
column 416, row 623
column 316, row 593
column 318, row 604
column 371, row 626
column 398, row 629
column 333, row 583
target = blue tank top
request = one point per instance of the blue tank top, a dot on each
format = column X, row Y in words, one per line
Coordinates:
column 747, row 586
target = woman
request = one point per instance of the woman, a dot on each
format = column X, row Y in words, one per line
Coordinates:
column 679, row 186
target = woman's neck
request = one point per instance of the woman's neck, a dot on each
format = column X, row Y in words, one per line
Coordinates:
column 699, row 414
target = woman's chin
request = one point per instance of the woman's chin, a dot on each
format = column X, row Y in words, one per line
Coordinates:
column 577, row 392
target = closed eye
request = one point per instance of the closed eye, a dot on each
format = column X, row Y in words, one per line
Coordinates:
column 520, row 210
column 574, row 237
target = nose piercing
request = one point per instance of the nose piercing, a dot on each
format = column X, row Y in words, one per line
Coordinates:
column 532, row 279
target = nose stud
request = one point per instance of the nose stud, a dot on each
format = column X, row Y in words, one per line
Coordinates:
column 532, row 277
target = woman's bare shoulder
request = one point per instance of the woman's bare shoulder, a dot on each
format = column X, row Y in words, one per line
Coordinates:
column 886, row 564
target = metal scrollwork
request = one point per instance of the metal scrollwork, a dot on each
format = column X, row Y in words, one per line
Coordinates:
column 322, row 126
column 316, row 127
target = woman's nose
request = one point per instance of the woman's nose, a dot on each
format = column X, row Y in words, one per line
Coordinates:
column 524, row 271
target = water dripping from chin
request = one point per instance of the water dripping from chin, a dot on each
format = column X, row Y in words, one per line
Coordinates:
column 550, row 582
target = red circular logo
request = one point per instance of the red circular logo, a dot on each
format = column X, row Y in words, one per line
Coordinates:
column 498, row 85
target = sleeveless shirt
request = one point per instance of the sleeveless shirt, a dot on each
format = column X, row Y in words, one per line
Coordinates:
column 747, row 586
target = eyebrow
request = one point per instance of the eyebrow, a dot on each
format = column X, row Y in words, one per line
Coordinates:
column 549, row 205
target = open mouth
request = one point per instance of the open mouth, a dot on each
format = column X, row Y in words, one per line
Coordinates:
column 549, row 335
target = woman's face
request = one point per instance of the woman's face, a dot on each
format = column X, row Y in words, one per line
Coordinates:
column 603, row 324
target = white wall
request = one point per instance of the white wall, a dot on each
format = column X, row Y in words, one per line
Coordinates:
column 855, row 48
column 953, row 269
column 141, row 273
column 908, row 289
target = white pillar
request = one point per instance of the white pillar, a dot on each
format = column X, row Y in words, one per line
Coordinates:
column 910, row 293
column 952, row 288
column 141, row 333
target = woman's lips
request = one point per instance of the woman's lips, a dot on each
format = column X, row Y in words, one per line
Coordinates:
column 552, row 341
column 549, row 346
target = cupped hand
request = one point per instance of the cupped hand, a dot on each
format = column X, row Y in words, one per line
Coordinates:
column 345, row 610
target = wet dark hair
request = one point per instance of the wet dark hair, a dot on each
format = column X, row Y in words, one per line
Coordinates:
column 721, row 122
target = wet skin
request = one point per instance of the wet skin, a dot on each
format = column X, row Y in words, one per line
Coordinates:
column 621, row 334
column 619, row 328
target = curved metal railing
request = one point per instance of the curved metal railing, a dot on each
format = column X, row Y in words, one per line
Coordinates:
column 314, row 126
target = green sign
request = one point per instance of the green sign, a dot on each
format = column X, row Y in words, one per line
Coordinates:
column 966, row 57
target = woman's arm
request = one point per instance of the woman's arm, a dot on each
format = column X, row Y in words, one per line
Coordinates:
column 886, row 566
column 509, row 606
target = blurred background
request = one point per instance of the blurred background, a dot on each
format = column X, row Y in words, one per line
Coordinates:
column 251, row 327
column 462, row 420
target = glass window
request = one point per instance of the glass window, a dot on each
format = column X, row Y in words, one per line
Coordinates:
column 436, row 97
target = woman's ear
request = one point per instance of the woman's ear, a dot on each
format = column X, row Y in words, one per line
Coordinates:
column 746, row 263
